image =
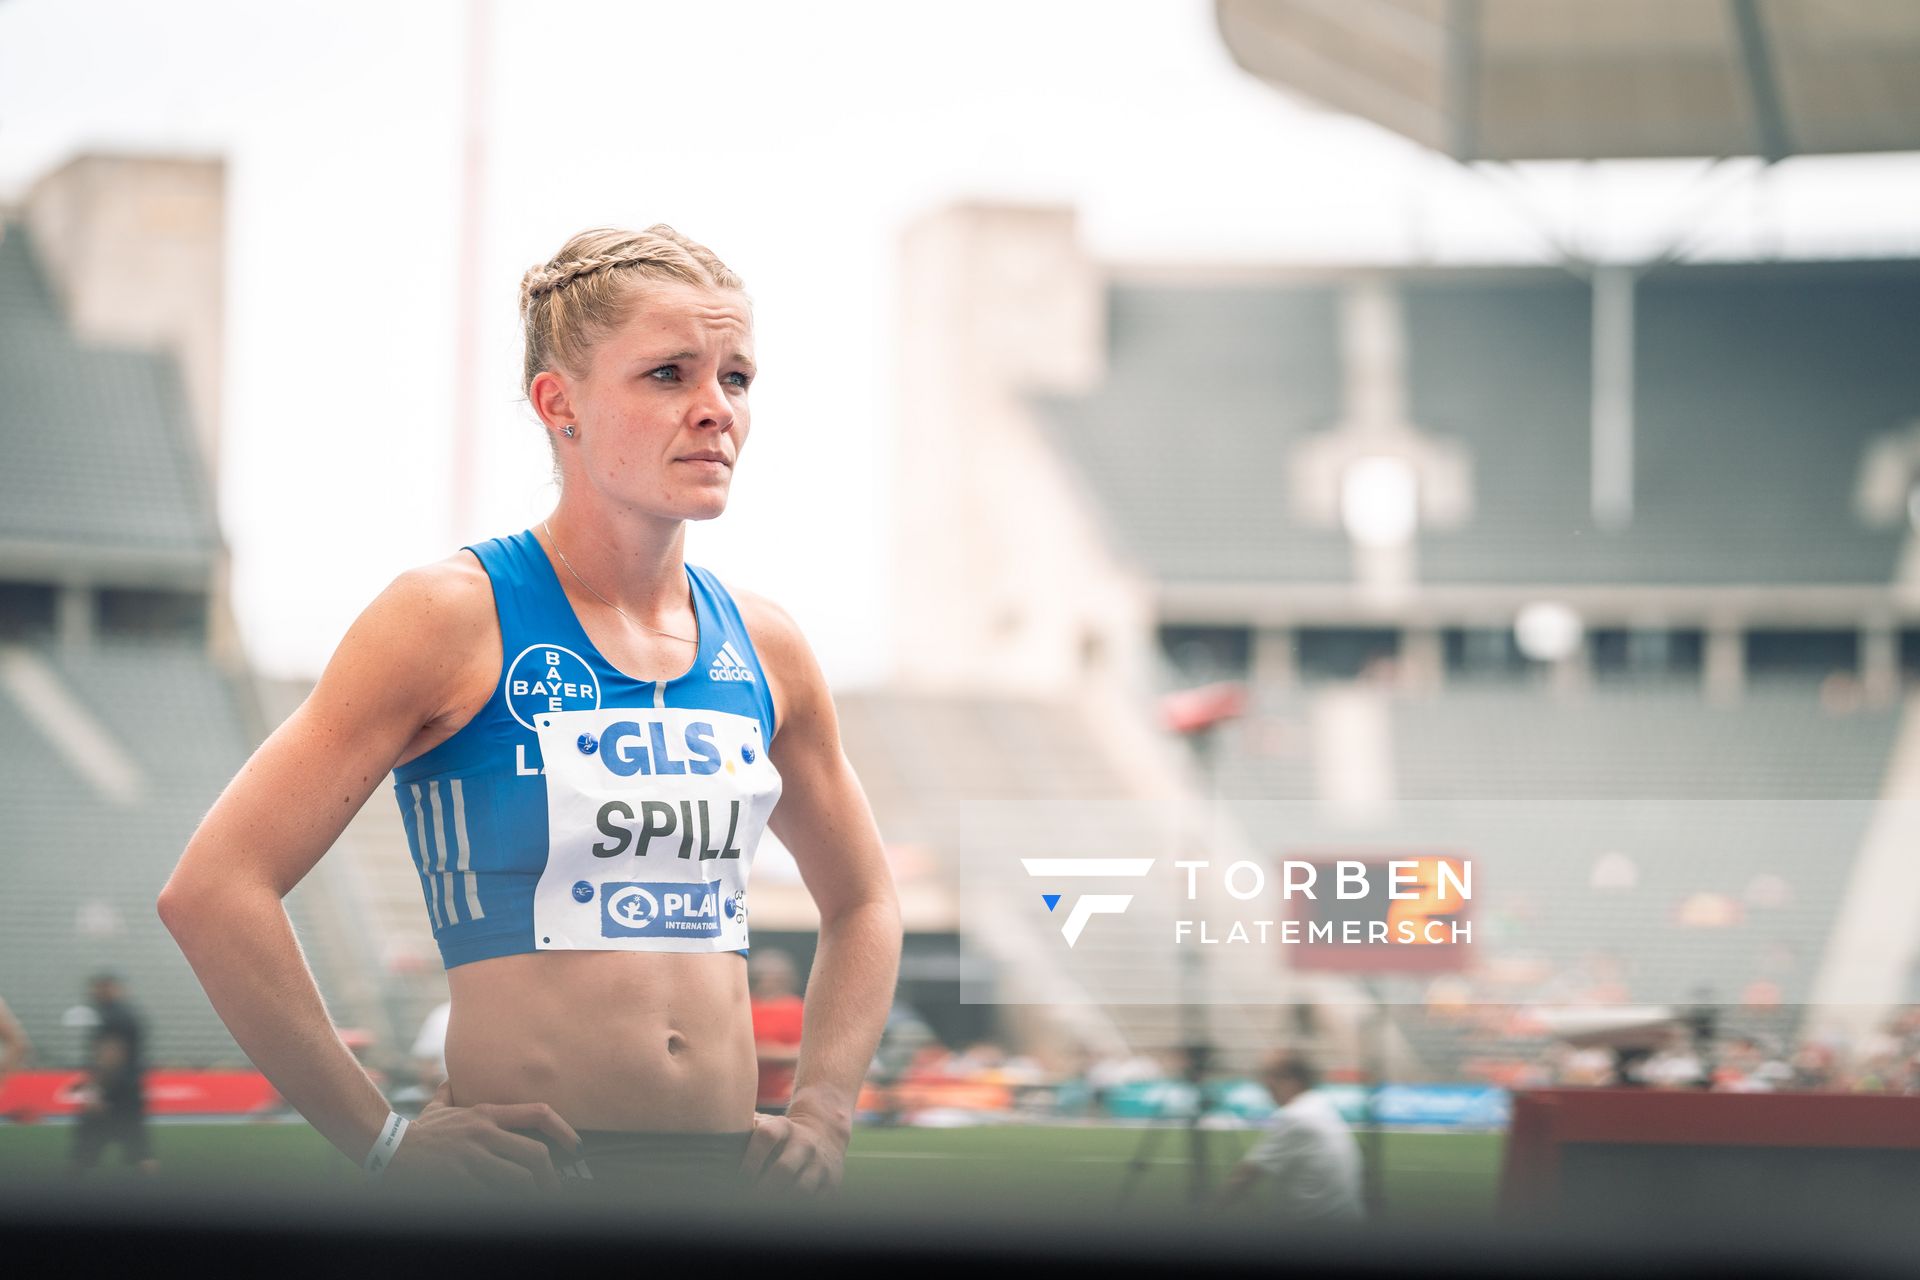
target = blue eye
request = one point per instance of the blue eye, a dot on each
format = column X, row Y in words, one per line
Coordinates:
column 672, row 372
column 745, row 379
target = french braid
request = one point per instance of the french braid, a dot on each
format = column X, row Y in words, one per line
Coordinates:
column 583, row 292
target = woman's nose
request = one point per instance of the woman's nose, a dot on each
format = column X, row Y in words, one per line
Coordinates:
column 713, row 408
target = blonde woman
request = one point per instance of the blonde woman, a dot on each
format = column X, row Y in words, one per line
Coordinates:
column 588, row 736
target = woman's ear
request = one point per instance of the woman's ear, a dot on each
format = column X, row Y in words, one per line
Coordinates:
column 548, row 394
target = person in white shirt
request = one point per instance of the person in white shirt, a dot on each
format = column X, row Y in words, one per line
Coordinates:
column 1307, row 1150
column 429, row 1050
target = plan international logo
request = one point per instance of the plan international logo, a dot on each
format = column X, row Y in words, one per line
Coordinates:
column 1088, row 905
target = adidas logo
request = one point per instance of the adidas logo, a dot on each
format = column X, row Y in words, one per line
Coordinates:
column 728, row 665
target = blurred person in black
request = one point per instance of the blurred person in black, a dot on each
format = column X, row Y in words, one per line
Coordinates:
column 116, row 1107
column 1307, row 1150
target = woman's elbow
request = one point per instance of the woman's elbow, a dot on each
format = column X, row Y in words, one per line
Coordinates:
column 884, row 910
column 877, row 913
column 177, row 904
column 188, row 899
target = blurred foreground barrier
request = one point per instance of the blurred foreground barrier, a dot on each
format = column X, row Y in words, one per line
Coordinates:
column 1677, row 1160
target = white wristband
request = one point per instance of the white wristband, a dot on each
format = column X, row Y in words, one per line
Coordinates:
column 385, row 1145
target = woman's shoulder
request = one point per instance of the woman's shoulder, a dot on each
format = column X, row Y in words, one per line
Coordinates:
column 454, row 592
column 795, row 682
column 437, row 608
column 423, row 651
column 775, row 635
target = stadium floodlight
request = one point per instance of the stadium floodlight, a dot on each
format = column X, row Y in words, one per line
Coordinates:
column 1548, row 631
column 1379, row 501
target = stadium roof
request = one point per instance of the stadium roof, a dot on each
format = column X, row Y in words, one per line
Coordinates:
column 1581, row 79
column 101, row 461
column 1761, row 388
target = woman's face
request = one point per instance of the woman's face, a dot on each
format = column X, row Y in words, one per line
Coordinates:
column 662, row 410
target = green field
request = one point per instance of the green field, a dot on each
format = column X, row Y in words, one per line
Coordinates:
column 1000, row 1170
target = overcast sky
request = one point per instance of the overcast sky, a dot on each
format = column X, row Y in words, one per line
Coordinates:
column 795, row 140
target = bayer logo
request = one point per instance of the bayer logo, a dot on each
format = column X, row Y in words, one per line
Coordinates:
column 632, row 906
column 549, row 677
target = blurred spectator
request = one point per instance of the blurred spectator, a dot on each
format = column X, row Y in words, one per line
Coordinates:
column 776, row 1011
column 429, row 1051
column 1814, row 1067
column 116, row 1107
column 904, row 1043
column 1124, row 1068
column 1910, row 1075
column 1742, row 1068
column 1587, row 1067
column 980, row 1056
column 988, row 1062
column 14, row 1045
column 1674, row 1065
column 425, row 1068
column 1307, row 1150
column 1114, row 1070
column 904, row 1038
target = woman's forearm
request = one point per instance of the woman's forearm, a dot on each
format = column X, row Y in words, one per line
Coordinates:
column 242, row 948
column 848, row 996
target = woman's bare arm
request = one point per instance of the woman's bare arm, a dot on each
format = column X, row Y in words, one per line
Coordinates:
column 824, row 820
column 398, row 680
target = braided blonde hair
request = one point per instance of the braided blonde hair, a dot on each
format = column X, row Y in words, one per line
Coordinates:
column 588, row 289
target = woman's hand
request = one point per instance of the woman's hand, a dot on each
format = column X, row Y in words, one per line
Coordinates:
column 796, row 1153
column 461, row 1147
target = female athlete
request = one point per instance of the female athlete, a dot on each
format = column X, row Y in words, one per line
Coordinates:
column 587, row 736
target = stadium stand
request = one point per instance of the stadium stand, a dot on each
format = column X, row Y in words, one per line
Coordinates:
column 1759, row 388
column 1757, row 807
column 1640, row 836
column 118, row 725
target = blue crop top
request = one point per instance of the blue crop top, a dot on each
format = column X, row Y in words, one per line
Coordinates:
column 567, row 814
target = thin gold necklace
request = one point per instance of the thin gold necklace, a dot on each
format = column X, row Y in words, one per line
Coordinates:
column 602, row 599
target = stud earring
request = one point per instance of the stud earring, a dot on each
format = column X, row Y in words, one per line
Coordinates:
column 567, row 431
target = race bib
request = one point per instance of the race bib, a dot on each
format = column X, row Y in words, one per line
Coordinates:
column 652, row 818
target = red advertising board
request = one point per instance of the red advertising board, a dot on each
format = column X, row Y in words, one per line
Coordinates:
column 30, row 1095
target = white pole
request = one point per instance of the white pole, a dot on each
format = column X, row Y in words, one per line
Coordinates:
column 1613, row 396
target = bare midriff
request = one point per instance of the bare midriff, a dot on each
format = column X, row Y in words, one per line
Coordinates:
column 615, row 1040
